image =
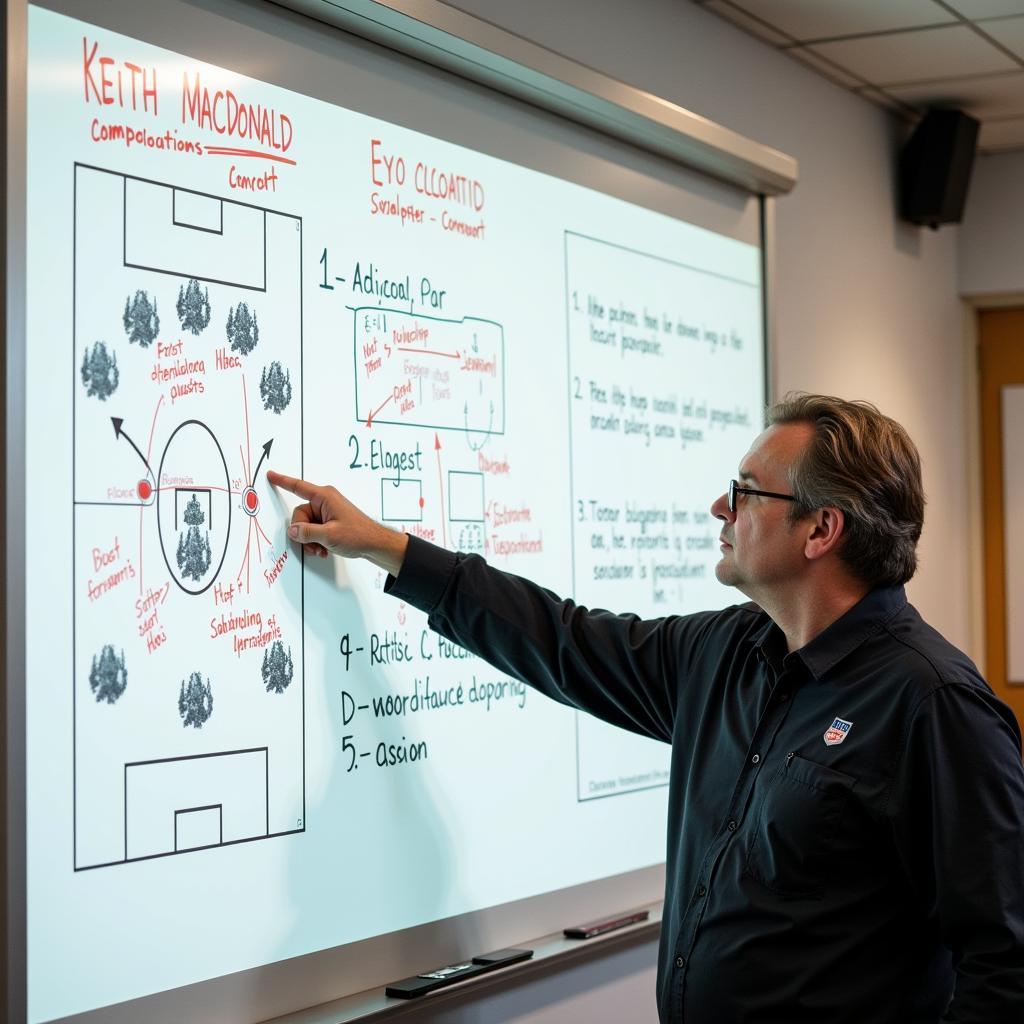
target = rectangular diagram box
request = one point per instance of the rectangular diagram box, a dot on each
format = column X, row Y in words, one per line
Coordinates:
column 401, row 501
column 195, row 210
column 613, row 762
column 465, row 496
column 198, row 827
column 158, row 241
column 421, row 371
column 662, row 351
column 235, row 783
column 181, row 383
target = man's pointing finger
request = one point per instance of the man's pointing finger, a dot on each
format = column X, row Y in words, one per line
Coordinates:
column 302, row 488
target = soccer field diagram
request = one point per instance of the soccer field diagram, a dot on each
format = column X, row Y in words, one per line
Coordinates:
column 188, row 684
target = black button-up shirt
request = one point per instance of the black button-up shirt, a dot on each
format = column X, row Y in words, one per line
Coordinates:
column 846, row 822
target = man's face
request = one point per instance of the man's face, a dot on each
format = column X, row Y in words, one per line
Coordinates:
column 761, row 547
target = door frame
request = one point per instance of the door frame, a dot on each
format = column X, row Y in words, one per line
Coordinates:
column 973, row 306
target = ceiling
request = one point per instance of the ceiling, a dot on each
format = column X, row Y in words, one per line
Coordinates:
column 906, row 55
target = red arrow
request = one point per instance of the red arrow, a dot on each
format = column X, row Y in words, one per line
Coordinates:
column 369, row 419
column 430, row 352
column 440, row 481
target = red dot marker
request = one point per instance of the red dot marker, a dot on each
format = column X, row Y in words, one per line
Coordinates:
column 422, row 503
column 144, row 490
column 250, row 501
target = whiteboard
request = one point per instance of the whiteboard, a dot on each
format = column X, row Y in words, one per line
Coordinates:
column 239, row 759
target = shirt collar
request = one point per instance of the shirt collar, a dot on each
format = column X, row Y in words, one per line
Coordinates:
column 844, row 635
column 850, row 630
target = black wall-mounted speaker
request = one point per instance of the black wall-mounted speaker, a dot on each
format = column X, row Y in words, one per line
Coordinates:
column 935, row 168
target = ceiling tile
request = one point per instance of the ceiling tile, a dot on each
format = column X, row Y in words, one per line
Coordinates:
column 916, row 56
column 817, row 19
column 824, row 67
column 998, row 136
column 731, row 13
column 1008, row 31
column 991, row 96
column 986, row 8
column 884, row 100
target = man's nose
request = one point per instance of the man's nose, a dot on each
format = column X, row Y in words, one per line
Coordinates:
column 720, row 509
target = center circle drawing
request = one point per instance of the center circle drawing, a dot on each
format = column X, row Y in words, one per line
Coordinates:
column 193, row 499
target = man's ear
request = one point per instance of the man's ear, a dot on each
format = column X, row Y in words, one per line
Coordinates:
column 827, row 525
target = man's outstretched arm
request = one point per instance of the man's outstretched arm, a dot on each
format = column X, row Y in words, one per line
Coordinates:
column 623, row 669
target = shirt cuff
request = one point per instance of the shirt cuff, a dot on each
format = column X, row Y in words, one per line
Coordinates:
column 424, row 575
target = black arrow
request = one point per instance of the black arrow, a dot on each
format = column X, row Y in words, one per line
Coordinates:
column 266, row 452
column 120, row 432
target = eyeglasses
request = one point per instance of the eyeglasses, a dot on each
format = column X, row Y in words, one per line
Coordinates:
column 734, row 489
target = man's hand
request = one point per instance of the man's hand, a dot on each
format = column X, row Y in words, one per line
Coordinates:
column 329, row 524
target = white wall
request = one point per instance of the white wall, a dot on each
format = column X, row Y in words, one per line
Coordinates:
column 992, row 233
column 865, row 308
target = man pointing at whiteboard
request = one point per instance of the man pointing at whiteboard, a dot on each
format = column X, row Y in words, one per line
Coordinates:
column 846, row 809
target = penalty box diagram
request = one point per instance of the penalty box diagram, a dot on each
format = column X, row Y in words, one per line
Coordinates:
column 188, row 684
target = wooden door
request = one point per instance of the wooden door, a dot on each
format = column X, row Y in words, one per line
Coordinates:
column 1001, row 380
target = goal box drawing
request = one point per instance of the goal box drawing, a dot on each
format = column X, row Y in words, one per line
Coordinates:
column 160, row 812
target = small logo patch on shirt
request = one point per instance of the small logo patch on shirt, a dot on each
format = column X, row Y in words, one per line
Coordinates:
column 836, row 732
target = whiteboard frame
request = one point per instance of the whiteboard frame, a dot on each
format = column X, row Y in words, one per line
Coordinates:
column 12, row 603
column 544, row 79
column 475, row 49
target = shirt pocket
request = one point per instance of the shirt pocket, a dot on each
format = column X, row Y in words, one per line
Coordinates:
column 796, row 827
